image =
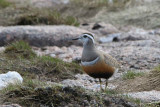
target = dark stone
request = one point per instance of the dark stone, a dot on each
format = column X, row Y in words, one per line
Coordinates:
column 132, row 38
column 85, row 24
column 96, row 26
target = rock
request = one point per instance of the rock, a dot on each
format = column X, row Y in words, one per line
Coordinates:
column 12, row 77
column 87, row 82
column 100, row 29
column 41, row 35
column 2, row 49
column 131, row 38
column 108, row 29
column 46, row 3
column 146, row 96
column 85, row 24
column 96, row 26
column 11, row 105
column 65, row 53
column 110, row 38
column 155, row 32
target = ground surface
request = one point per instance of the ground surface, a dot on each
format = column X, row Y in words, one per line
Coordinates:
column 131, row 35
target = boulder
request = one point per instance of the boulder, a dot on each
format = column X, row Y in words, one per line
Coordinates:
column 41, row 35
column 12, row 77
column 100, row 29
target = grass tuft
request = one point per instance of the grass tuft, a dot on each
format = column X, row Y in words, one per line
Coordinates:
column 19, row 49
column 48, row 17
column 111, row 92
column 153, row 104
column 135, row 100
column 132, row 75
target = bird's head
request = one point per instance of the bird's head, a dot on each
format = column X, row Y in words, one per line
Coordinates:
column 86, row 38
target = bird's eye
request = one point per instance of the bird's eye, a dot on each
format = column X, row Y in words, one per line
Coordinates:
column 84, row 36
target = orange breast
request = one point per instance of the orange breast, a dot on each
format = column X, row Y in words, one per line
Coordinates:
column 99, row 70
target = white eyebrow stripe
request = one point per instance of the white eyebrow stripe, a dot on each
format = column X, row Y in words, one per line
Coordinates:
column 90, row 37
column 89, row 63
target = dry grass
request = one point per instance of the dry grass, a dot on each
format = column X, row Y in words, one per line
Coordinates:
column 153, row 81
column 145, row 16
column 70, row 14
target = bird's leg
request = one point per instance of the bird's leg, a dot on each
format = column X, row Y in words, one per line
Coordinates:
column 100, row 84
column 106, row 85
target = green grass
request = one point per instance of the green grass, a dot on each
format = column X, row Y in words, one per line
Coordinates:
column 153, row 104
column 111, row 92
column 157, row 68
column 4, row 3
column 131, row 99
column 19, row 56
column 132, row 75
column 27, row 82
column 19, row 49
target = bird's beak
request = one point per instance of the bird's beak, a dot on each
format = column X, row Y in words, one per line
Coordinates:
column 75, row 38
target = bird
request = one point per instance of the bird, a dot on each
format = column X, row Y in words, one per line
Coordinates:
column 94, row 62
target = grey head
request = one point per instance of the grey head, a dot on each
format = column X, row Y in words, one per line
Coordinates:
column 89, row 51
column 86, row 38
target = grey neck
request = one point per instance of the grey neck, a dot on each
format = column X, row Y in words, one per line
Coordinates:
column 89, row 52
column 88, row 46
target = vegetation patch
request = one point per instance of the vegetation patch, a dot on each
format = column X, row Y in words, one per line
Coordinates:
column 19, row 49
column 34, row 95
column 153, row 104
column 19, row 56
column 131, row 99
column 54, row 69
column 132, row 75
column 111, row 92
column 4, row 3
column 46, row 17
column 153, row 80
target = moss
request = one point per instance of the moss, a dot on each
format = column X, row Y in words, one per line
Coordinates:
column 132, row 75
column 19, row 49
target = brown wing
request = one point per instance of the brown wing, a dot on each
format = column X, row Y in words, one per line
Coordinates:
column 111, row 61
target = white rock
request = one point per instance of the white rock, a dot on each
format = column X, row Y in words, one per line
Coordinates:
column 11, row 77
column 2, row 49
column 146, row 96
